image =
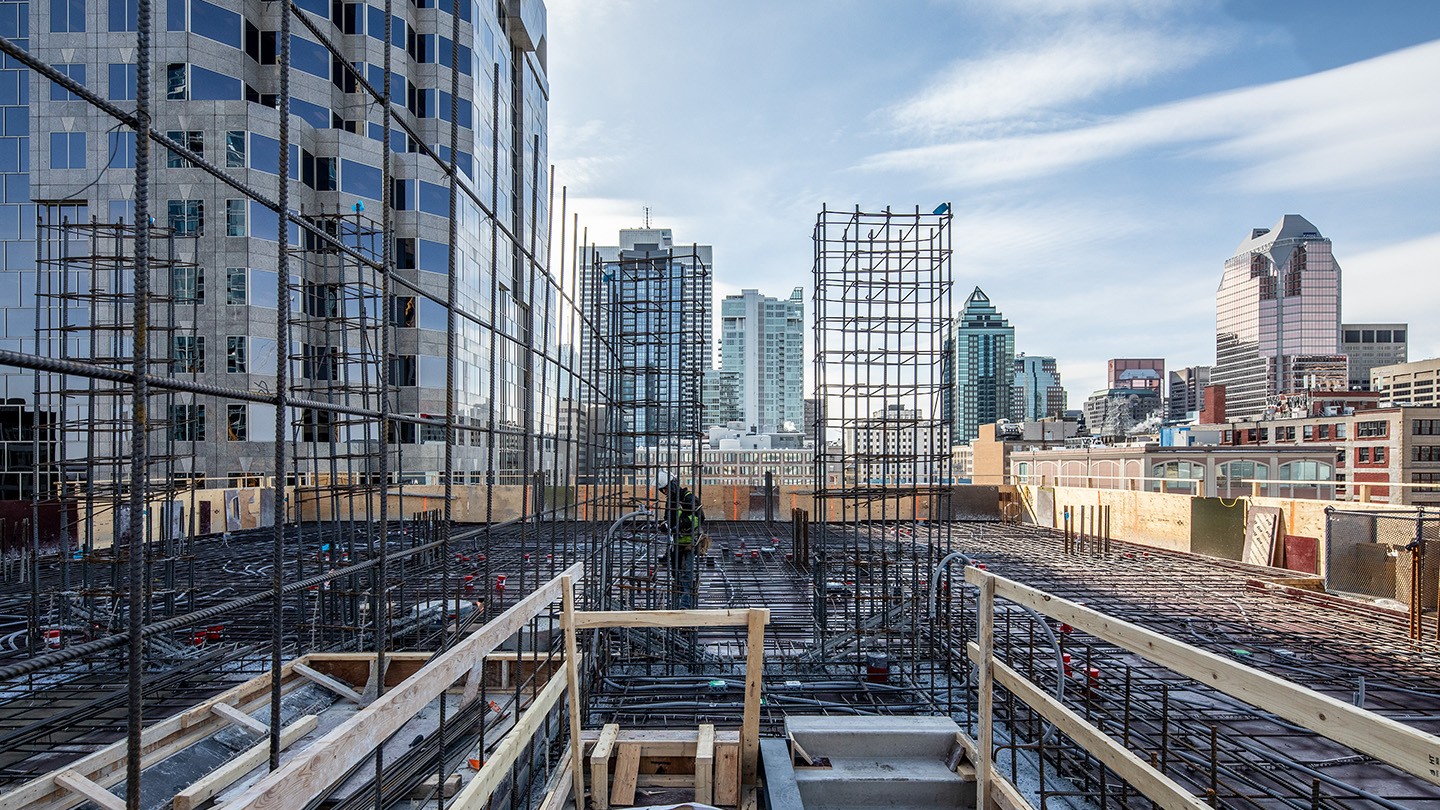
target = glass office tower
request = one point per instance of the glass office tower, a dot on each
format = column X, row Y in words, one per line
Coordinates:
column 1277, row 319
column 977, row 369
column 216, row 92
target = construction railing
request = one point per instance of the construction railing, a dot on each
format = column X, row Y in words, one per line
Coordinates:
column 1391, row 742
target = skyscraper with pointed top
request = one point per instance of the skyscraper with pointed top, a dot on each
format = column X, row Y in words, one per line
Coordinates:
column 977, row 368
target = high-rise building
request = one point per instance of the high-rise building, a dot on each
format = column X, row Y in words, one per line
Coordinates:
column 814, row 415
column 1370, row 345
column 214, row 275
column 721, row 396
column 1416, row 383
column 762, row 341
column 1277, row 318
column 1038, row 392
column 1187, row 392
column 977, row 369
column 1131, row 372
column 654, row 316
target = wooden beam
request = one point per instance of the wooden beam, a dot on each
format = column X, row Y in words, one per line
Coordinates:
column 496, row 769
column 704, row 763
column 985, row 608
column 334, row 685
column 600, row 766
column 558, row 795
column 1156, row 786
column 210, row 785
column 735, row 617
column 572, row 688
column 241, row 719
column 1390, row 741
column 727, row 775
column 754, row 669
column 627, row 767
column 297, row 782
column 76, row 783
column 1005, row 796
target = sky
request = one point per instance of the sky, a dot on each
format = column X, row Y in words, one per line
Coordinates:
column 1103, row 158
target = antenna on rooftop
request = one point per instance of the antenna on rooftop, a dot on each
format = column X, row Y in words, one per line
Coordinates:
column 647, row 217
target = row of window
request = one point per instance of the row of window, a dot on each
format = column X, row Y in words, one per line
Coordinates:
column 206, row 19
column 1425, row 427
column 1374, row 335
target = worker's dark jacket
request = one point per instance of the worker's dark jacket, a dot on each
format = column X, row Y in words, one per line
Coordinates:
column 681, row 514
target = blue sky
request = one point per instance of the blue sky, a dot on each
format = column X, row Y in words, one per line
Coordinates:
column 1103, row 157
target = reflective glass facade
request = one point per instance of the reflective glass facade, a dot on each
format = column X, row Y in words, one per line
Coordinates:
column 1277, row 325
column 216, row 82
column 977, row 369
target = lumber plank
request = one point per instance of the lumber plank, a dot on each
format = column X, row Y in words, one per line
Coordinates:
column 296, row 782
column 211, row 784
column 1156, row 786
column 476, row 793
column 600, row 766
column 627, row 767
column 162, row 740
column 754, row 668
column 334, row 685
column 727, row 775
column 704, row 763
column 725, row 617
column 572, row 688
column 1006, row 796
column 239, row 718
column 560, row 788
column 1390, row 741
column 985, row 661
column 76, row 783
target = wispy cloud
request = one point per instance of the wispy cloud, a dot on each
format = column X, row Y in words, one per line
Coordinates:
column 1004, row 89
column 1353, row 126
column 1372, row 278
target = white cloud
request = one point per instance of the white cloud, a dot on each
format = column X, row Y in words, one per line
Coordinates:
column 1077, row 65
column 1355, row 126
column 1397, row 283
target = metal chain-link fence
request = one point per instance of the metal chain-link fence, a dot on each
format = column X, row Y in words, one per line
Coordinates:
column 1386, row 555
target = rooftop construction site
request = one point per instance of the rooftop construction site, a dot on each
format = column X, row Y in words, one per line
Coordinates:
column 479, row 599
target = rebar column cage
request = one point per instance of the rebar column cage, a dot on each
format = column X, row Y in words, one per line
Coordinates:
column 882, row 297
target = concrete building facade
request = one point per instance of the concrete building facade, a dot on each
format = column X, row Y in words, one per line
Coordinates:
column 1037, row 389
column 1408, row 383
column 762, row 344
column 977, row 369
column 1277, row 326
column 1368, row 345
column 1187, row 392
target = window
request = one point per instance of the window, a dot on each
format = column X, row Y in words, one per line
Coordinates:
column 1379, row 455
column 1398, row 335
column 1305, row 471
column 1264, row 434
column 1324, row 432
column 315, row 425
column 1371, row 430
column 122, row 82
column 77, row 73
column 236, row 286
column 1352, row 335
column 1425, row 478
column 1362, row 455
column 321, row 300
column 402, row 369
column 188, row 354
column 122, row 15
column 67, row 150
column 262, row 46
column 187, row 423
column 1340, row 431
column 187, row 284
column 235, row 149
column 235, row 354
column 122, row 151
column 234, row 217
column 1340, row 456
column 237, row 417
column 193, row 140
column 1367, row 336
column 177, row 81
column 1425, row 427
column 187, row 217
column 320, row 362
column 67, row 16
column 1309, row 433
column 1382, row 335
column 402, row 310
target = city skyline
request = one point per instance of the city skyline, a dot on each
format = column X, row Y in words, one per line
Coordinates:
column 1206, row 128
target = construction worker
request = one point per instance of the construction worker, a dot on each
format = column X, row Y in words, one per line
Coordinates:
column 683, row 518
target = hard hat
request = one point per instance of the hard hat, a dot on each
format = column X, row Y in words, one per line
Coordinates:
column 663, row 479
